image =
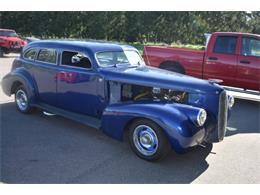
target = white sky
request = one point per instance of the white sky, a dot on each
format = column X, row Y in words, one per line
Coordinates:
column 131, row 5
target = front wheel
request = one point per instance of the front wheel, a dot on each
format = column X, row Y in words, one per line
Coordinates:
column 22, row 100
column 147, row 140
column 1, row 52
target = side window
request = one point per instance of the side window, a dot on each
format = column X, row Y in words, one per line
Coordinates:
column 250, row 47
column 47, row 55
column 75, row 59
column 30, row 54
column 225, row 44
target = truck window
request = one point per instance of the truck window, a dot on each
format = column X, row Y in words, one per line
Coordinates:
column 225, row 44
column 30, row 54
column 75, row 59
column 250, row 47
column 47, row 55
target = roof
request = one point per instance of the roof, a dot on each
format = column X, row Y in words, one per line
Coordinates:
column 93, row 46
column 237, row 33
column 2, row 29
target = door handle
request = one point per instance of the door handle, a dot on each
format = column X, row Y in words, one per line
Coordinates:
column 244, row 62
column 213, row 58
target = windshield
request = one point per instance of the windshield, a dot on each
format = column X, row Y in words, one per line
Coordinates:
column 112, row 58
column 8, row 34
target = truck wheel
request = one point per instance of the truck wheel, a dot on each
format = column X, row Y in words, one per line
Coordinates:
column 176, row 69
column 147, row 140
column 1, row 52
column 172, row 66
column 22, row 100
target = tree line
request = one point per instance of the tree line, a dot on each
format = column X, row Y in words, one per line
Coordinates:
column 167, row 27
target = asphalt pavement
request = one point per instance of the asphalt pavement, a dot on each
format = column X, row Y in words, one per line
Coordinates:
column 50, row 149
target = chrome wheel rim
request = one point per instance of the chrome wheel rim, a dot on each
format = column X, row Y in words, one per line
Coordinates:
column 21, row 100
column 145, row 140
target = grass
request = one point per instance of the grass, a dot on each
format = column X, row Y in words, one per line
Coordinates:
column 140, row 46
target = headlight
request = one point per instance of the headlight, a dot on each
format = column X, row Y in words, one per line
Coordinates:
column 231, row 101
column 2, row 41
column 201, row 117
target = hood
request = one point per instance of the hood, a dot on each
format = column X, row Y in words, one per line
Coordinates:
column 155, row 77
column 14, row 39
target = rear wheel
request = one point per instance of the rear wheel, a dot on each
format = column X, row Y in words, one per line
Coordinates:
column 175, row 69
column 172, row 66
column 22, row 100
column 147, row 140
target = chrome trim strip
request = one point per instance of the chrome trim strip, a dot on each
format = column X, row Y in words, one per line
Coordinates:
column 222, row 115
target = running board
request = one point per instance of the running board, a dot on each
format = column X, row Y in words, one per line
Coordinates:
column 84, row 119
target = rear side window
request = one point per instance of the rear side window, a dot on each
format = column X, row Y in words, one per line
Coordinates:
column 47, row 55
column 75, row 59
column 250, row 47
column 225, row 44
column 30, row 54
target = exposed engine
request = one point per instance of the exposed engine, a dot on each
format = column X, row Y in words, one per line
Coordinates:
column 139, row 93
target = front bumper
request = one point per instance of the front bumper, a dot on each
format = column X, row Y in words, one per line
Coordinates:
column 12, row 46
column 215, row 126
column 15, row 50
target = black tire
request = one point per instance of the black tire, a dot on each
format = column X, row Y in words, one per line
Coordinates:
column 1, row 52
column 172, row 66
column 26, row 109
column 175, row 69
column 163, row 147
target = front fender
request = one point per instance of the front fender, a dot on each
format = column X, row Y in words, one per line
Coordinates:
column 22, row 76
column 175, row 120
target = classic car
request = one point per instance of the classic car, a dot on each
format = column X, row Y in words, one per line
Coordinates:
column 108, row 86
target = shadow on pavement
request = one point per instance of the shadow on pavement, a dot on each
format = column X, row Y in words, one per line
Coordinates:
column 40, row 149
column 245, row 118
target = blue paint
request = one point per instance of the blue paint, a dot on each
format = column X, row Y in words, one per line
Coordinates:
column 86, row 91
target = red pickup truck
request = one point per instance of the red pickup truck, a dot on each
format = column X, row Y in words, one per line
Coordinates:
column 233, row 58
column 10, row 42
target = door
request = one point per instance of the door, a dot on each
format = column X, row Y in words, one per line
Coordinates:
column 221, row 60
column 79, row 87
column 249, row 63
column 44, row 73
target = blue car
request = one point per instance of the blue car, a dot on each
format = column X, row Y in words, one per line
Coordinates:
column 107, row 86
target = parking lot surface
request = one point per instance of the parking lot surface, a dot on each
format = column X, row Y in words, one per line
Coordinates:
column 50, row 149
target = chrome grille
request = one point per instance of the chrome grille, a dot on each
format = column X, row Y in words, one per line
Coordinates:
column 222, row 115
column 14, row 43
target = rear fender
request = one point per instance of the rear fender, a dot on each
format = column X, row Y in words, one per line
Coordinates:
column 22, row 76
